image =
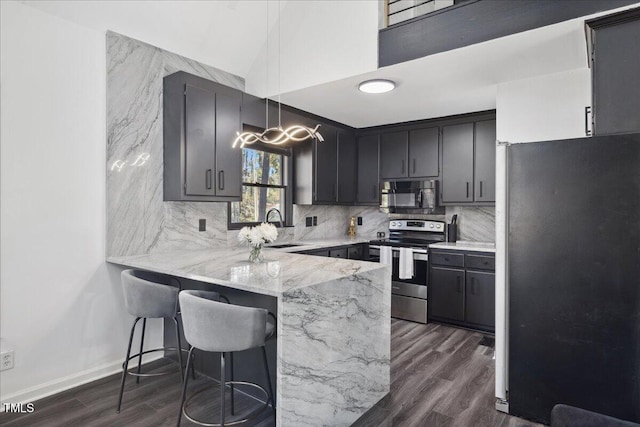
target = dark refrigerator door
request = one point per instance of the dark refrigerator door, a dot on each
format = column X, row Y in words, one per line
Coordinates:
column 574, row 276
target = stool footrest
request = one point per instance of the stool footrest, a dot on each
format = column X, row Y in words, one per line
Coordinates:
column 246, row 418
column 152, row 374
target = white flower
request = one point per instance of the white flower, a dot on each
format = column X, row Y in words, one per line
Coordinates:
column 255, row 236
column 269, row 232
column 243, row 235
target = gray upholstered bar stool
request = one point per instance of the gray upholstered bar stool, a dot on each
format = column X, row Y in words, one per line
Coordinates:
column 217, row 327
column 148, row 295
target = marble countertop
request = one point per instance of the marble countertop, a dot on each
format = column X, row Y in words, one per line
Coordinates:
column 281, row 271
column 466, row 246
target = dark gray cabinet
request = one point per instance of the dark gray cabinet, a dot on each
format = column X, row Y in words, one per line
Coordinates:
column 326, row 166
column 447, row 293
column 201, row 119
column 485, row 161
column 357, row 251
column 457, row 163
column 410, row 154
column 615, row 76
column 480, row 297
column 394, row 149
column 461, row 289
column 468, row 163
column 368, row 179
column 423, row 152
column 347, row 165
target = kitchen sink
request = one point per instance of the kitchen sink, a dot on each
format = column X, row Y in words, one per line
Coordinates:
column 284, row 245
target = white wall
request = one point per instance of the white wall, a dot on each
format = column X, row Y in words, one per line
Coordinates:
column 321, row 41
column 61, row 304
column 543, row 108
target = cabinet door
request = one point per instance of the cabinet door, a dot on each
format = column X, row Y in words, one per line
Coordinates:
column 355, row 252
column 326, row 164
column 338, row 253
column 616, row 80
column 480, row 295
column 347, row 153
column 228, row 177
column 394, row 148
column 200, row 133
column 446, row 293
column 423, row 152
column 457, row 163
column 368, row 179
column 485, row 161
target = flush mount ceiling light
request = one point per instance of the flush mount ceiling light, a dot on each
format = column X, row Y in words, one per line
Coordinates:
column 377, row 86
column 276, row 135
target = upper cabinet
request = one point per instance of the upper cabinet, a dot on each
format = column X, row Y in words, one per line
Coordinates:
column 368, row 179
column 468, row 162
column 615, row 76
column 325, row 172
column 201, row 119
column 409, row 154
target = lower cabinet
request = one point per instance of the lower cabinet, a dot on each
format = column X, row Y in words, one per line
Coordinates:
column 357, row 251
column 462, row 294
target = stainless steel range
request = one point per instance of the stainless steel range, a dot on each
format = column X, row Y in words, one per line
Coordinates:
column 409, row 293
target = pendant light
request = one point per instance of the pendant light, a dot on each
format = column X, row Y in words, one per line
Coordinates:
column 276, row 135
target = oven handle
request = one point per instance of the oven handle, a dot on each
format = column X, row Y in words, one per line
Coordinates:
column 418, row 254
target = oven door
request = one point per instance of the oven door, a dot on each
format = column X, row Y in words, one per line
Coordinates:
column 415, row 287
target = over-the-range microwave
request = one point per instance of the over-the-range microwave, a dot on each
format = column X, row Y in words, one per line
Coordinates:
column 410, row 197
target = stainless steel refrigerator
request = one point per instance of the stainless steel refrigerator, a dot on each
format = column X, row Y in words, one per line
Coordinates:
column 573, row 269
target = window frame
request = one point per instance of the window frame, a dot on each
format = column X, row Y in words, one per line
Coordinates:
column 287, row 181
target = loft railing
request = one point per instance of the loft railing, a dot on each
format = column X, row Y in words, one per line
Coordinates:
column 396, row 11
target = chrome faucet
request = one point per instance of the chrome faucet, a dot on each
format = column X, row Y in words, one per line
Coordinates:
column 266, row 217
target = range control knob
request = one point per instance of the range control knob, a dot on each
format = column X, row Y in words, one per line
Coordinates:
column 393, row 223
column 431, row 225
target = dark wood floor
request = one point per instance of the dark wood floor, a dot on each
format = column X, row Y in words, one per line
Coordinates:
column 440, row 376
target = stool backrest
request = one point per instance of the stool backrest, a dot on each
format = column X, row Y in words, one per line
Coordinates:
column 219, row 327
column 148, row 299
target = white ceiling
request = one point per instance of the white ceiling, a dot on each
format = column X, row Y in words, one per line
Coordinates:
column 231, row 35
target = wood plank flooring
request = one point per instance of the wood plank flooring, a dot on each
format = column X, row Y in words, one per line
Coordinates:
column 440, row 376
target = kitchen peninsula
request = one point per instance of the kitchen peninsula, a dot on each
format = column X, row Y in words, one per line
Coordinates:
column 333, row 333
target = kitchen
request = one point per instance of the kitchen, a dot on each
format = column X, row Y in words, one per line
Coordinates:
column 138, row 220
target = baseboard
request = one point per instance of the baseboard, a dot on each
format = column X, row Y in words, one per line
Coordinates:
column 50, row 388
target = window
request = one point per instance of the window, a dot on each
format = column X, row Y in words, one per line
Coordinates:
column 264, row 179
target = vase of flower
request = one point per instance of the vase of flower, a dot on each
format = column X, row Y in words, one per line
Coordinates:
column 257, row 237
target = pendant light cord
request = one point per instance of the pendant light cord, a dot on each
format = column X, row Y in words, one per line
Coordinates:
column 279, row 68
column 266, row 86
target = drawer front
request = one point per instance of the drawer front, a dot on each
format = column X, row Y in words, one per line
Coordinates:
column 356, row 252
column 447, row 259
column 408, row 308
column 409, row 290
column 338, row 253
column 480, row 262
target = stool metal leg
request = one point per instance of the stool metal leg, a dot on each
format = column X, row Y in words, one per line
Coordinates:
column 233, row 409
column 144, row 326
column 184, row 386
column 266, row 368
column 126, row 363
column 175, row 320
column 222, row 384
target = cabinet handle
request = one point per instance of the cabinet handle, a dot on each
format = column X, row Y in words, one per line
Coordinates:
column 587, row 112
column 208, row 179
column 414, row 165
column 458, row 284
column 473, row 286
column 403, row 166
column 221, row 180
column 480, row 188
column 467, row 190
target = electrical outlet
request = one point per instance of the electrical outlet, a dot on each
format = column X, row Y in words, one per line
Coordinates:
column 6, row 360
column 202, row 225
column 359, row 220
column 308, row 221
column 315, row 220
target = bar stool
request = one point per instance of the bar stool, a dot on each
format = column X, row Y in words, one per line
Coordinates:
column 213, row 326
column 145, row 298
